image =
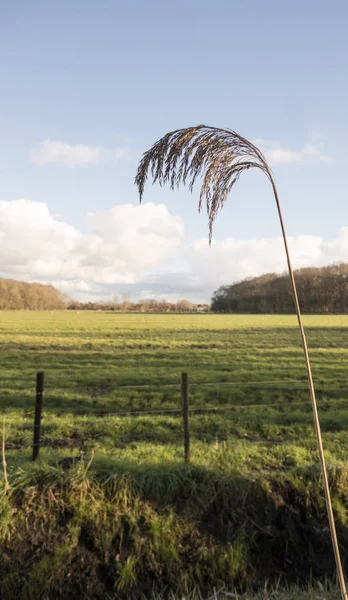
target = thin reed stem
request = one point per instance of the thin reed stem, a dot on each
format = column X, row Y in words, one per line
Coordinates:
column 219, row 157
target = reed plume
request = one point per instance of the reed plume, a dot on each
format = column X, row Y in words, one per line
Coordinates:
column 219, row 157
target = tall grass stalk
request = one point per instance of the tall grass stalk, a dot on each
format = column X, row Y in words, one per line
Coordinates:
column 220, row 156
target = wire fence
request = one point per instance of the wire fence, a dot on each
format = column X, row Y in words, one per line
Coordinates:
column 184, row 410
column 191, row 409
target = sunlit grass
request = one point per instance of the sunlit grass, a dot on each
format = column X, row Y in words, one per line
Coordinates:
column 252, row 364
column 103, row 437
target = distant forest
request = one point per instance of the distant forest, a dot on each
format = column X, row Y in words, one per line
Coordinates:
column 320, row 290
column 147, row 306
column 19, row 295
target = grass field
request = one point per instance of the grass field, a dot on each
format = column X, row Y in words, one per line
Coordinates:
column 250, row 506
column 93, row 360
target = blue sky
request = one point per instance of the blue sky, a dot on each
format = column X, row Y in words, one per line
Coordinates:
column 101, row 81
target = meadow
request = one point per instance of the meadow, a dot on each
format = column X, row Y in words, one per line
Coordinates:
column 128, row 515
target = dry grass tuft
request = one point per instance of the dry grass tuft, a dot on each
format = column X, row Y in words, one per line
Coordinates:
column 4, row 464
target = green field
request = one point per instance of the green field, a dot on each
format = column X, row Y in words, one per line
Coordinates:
column 97, row 363
column 113, row 395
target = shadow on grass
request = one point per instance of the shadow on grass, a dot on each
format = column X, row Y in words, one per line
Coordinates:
column 282, row 521
column 121, row 525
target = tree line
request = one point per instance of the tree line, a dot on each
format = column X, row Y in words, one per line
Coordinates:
column 146, row 306
column 321, row 290
column 19, row 295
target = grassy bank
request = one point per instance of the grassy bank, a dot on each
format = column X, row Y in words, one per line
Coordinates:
column 99, row 528
column 135, row 520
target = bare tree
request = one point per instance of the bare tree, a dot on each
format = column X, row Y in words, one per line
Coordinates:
column 220, row 156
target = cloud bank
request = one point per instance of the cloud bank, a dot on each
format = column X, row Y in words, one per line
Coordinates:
column 277, row 154
column 140, row 251
column 121, row 245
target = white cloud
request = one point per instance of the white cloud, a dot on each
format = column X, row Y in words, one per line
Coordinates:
column 277, row 154
column 56, row 152
column 138, row 250
column 231, row 260
column 122, row 244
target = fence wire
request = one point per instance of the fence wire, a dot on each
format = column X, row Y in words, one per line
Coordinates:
column 272, row 382
column 173, row 411
column 281, row 385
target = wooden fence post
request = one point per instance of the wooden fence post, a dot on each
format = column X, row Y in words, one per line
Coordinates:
column 185, row 414
column 40, row 376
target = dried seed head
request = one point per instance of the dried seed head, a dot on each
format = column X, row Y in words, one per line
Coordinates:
column 218, row 156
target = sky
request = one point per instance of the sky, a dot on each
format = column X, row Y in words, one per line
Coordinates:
column 88, row 86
